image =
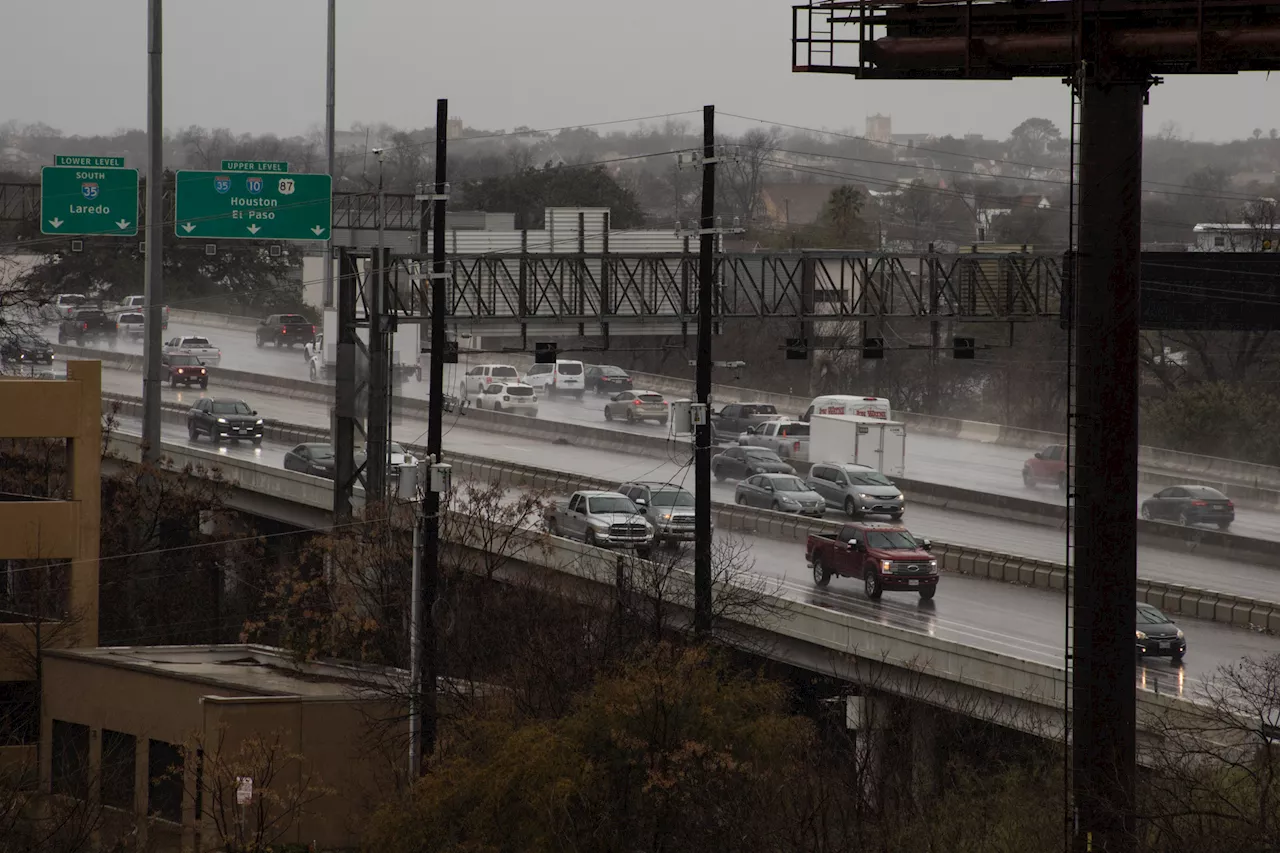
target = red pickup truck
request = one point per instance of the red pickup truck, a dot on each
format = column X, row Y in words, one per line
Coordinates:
column 884, row 556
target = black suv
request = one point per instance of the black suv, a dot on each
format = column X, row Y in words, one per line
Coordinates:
column 286, row 330
column 182, row 369
column 222, row 418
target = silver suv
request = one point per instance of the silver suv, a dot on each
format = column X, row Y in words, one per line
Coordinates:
column 858, row 489
column 667, row 506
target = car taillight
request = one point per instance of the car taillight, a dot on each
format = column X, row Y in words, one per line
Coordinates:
column 313, row 330
column 1199, row 503
column 796, row 447
column 488, row 379
column 84, row 326
column 284, row 330
column 637, row 402
column 1230, row 505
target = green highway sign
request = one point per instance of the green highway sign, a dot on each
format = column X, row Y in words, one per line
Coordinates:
column 231, row 205
column 84, row 200
column 94, row 162
column 254, row 166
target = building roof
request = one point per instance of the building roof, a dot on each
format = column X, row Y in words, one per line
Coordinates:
column 240, row 669
column 803, row 202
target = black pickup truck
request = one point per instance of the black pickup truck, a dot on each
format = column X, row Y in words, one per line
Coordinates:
column 286, row 330
column 88, row 324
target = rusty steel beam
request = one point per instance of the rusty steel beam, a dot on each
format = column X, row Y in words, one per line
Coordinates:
column 1243, row 48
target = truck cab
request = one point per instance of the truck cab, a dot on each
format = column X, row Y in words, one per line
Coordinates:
column 787, row 438
column 602, row 519
column 883, row 556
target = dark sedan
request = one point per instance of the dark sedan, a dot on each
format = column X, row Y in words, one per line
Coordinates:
column 1190, row 505
column 1157, row 636
column 224, row 419
column 742, row 462
column 314, row 459
column 607, row 379
column 27, row 350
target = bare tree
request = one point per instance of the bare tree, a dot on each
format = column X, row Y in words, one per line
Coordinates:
column 285, row 788
column 741, row 177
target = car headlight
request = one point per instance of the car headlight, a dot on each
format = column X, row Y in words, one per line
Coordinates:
column 866, row 497
column 1141, row 635
column 786, row 500
column 933, row 566
column 885, row 565
column 1181, row 636
column 259, row 423
column 222, row 420
column 899, row 498
column 666, row 516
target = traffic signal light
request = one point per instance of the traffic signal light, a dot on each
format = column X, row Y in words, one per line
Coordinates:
column 873, row 348
column 797, row 349
column 545, row 352
column 963, row 347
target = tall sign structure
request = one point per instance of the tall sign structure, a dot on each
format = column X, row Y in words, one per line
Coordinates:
column 1110, row 52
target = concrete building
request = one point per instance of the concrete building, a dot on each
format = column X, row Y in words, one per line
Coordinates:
column 161, row 740
column 48, row 544
column 880, row 128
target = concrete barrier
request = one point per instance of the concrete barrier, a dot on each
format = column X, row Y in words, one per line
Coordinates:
column 218, row 321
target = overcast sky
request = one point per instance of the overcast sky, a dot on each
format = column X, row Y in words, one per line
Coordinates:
column 258, row 66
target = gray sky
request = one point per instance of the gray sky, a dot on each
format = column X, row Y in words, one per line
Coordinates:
column 258, row 66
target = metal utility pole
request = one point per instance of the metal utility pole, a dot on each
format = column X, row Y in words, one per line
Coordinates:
column 1106, row 451
column 415, row 651
column 153, row 275
column 379, row 424
column 435, row 432
column 329, row 124
column 702, row 433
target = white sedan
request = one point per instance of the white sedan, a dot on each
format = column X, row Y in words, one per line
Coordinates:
column 513, row 397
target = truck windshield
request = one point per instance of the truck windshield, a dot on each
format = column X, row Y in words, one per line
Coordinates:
column 748, row 411
column 671, row 497
column 890, row 540
column 612, row 503
column 868, row 478
column 230, row 407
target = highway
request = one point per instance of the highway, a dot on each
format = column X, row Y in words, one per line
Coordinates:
column 991, row 468
column 1030, row 540
column 1003, row 618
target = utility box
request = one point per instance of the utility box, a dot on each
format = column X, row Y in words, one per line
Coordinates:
column 878, row 444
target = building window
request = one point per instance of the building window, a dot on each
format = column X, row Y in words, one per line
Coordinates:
column 119, row 751
column 70, row 759
column 164, row 769
column 1219, row 241
column 19, row 713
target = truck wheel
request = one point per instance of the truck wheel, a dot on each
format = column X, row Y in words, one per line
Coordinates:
column 821, row 577
column 715, row 472
column 927, row 593
column 850, row 508
column 173, row 382
column 204, row 383
column 871, row 584
column 260, row 342
column 552, row 527
column 644, row 553
column 589, row 537
column 62, row 337
column 192, row 432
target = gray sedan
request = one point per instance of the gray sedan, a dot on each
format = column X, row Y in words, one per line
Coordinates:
column 780, row 492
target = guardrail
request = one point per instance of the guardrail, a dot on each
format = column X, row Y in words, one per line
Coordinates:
column 979, row 562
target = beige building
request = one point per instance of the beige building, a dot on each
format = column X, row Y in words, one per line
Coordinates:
column 184, row 746
column 880, row 128
column 47, row 544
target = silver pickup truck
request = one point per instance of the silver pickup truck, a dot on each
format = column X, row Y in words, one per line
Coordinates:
column 606, row 519
column 787, row 438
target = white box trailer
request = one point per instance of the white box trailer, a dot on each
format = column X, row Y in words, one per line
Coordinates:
column 876, row 443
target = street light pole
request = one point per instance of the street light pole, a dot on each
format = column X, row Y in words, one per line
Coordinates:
column 153, row 271
column 329, row 119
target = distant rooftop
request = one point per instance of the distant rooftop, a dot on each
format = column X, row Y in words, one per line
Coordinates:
column 239, row 669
